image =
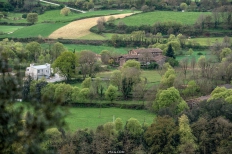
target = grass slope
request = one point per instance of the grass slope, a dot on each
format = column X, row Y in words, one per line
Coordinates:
column 150, row 18
column 43, row 29
column 80, row 118
column 96, row 49
column 7, row 29
column 208, row 41
column 152, row 75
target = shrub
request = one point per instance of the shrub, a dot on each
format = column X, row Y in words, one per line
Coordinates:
column 65, row 11
column 24, row 16
column 32, row 17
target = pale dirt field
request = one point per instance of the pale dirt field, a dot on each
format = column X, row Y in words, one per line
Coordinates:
column 80, row 28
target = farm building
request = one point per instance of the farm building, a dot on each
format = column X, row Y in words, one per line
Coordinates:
column 144, row 56
column 38, row 71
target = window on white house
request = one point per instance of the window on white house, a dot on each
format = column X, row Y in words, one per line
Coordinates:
column 38, row 71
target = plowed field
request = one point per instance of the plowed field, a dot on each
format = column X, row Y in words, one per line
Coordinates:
column 79, row 28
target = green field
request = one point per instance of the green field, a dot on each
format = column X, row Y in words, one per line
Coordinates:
column 8, row 29
column 80, row 118
column 208, row 41
column 152, row 75
column 55, row 16
column 14, row 18
column 55, row 21
column 150, row 18
column 96, row 49
column 94, row 36
column 43, row 29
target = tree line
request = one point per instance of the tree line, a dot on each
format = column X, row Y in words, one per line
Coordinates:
column 150, row 5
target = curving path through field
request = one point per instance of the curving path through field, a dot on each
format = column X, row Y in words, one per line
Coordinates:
column 79, row 28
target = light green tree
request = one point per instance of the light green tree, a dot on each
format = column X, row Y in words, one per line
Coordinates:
column 187, row 139
column 168, row 78
column 65, row 11
column 34, row 51
column 32, row 17
column 192, row 89
column 105, row 56
column 86, row 83
column 56, row 50
column 118, row 124
column 225, row 52
column 63, row 93
column 48, row 92
column 84, row 94
column 132, row 63
column 66, row 65
column 183, row 6
column 175, row 45
column 221, row 93
column 134, row 127
column 171, row 99
column 75, row 94
column 111, row 93
column 116, row 79
column 109, row 129
column 190, row 51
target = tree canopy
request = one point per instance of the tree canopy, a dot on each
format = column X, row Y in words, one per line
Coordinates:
column 66, row 64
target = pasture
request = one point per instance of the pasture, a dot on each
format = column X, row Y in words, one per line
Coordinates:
column 14, row 18
column 80, row 118
column 153, row 76
column 150, row 18
column 42, row 29
column 9, row 29
column 96, row 49
column 208, row 41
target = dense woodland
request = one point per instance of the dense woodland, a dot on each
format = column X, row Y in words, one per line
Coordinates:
column 183, row 123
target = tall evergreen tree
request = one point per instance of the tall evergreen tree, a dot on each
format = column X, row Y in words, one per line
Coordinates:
column 170, row 52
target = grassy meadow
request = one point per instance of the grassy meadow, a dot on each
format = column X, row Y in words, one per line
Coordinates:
column 51, row 21
column 8, row 29
column 150, row 18
column 42, row 29
column 208, row 41
column 80, row 118
column 96, row 49
column 152, row 75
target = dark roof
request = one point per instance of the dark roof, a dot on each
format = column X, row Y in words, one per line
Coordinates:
column 152, row 50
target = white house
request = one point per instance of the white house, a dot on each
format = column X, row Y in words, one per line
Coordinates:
column 38, row 71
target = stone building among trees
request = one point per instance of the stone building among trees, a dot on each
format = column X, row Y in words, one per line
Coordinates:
column 144, row 56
